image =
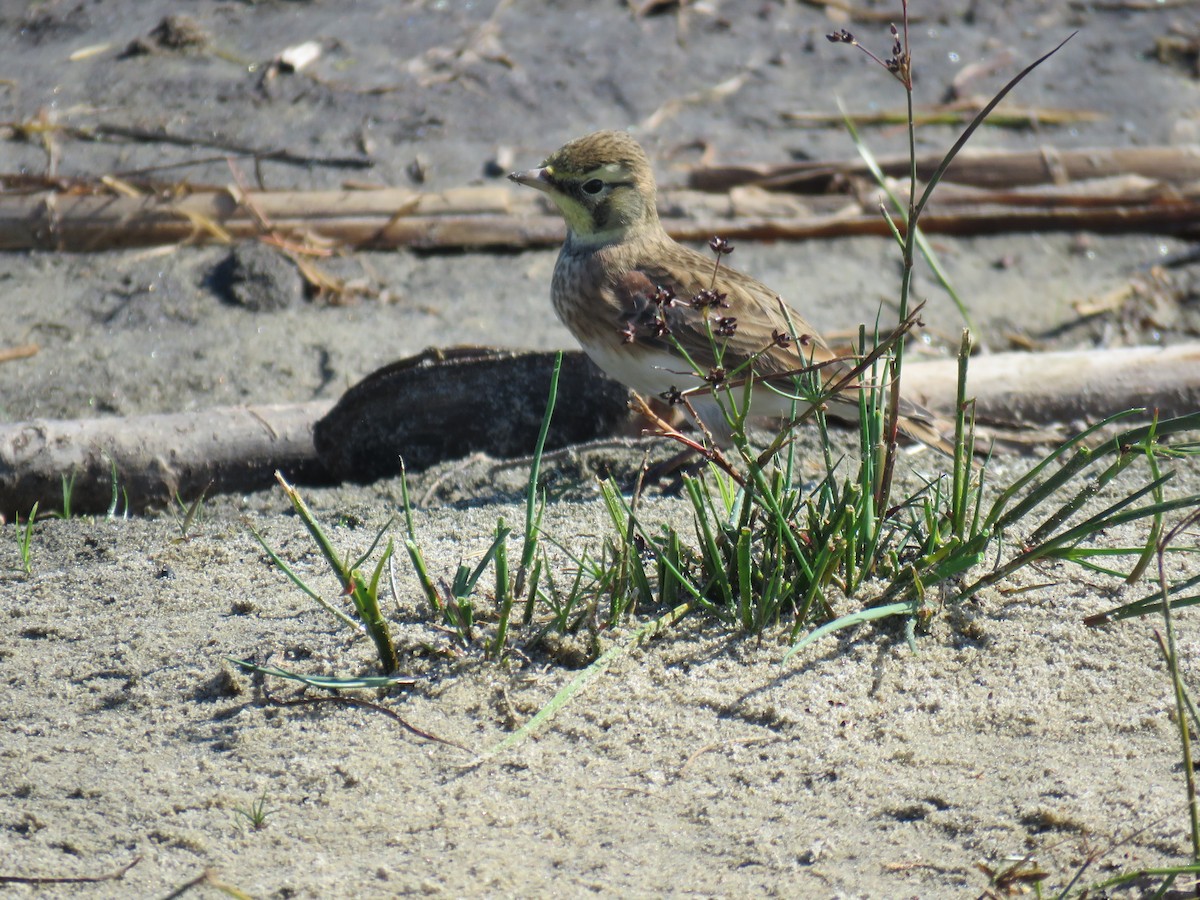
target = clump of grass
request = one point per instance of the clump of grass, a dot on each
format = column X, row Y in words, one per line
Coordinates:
column 189, row 513
column 68, row 489
column 24, row 536
column 256, row 813
column 362, row 591
column 768, row 552
column 456, row 602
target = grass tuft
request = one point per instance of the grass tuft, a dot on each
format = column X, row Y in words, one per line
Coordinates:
column 24, row 536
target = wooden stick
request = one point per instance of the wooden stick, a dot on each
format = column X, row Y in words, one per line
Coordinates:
column 89, row 221
column 978, row 168
column 82, row 224
column 155, row 457
column 21, row 351
column 1148, row 189
column 239, row 448
column 1066, row 386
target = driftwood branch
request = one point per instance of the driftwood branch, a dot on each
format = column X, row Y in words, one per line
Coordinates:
column 1067, row 386
column 425, row 408
column 149, row 460
column 77, row 221
column 82, row 224
column 411, row 409
column 1131, row 190
column 995, row 169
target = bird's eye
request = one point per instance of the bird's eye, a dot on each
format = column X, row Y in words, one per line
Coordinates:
column 594, row 186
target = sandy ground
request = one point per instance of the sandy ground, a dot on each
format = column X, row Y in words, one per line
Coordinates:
column 698, row 764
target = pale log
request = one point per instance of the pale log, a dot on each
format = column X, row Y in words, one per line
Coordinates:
column 238, row 448
column 995, row 169
column 153, row 458
column 1068, row 386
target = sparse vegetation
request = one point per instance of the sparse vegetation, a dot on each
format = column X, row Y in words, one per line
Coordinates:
column 256, row 814
column 24, row 536
column 68, row 489
column 769, row 552
column 189, row 513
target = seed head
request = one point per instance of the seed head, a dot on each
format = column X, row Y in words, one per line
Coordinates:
column 710, row 298
column 720, row 246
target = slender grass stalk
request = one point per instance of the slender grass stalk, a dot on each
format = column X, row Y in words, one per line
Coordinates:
column 300, row 583
column 191, row 512
column 68, row 489
column 1152, row 539
column 25, row 540
column 1182, row 702
column 580, row 681
column 363, row 593
column 535, row 501
column 964, row 446
column 118, row 493
column 904, row 210
column 328, row 682
column 414, row 549
column 504, row 593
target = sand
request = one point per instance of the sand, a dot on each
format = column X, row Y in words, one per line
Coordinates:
column 700, row 763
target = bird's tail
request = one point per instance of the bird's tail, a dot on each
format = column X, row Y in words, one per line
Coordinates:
column 919, row 424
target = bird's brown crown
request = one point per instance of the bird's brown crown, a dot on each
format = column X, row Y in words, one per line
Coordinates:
column 602, row 150
column 603, row 184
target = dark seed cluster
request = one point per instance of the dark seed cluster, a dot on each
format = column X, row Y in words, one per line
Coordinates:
column 709, row 298
column 649, row 314
column 899, row 63
column 720, row 246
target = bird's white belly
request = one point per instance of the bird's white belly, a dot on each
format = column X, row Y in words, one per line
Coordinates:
column 653, row 373
column 649, row 372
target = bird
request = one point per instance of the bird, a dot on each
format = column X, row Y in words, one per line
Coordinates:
column 670, row 322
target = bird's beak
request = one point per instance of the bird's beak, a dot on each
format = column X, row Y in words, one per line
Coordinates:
column 541, row 179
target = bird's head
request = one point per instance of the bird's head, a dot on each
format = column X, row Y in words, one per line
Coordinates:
column 602, row 183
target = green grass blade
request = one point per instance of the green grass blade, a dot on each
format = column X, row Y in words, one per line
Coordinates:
column 927, row 252
column 465, row 579
column 534, row 505
column 936, row 177
column 872, row 614
column 343, row 617
column 1000, row 516
column 330, row 682
column 504, row 595
column 582, row 680
column 1150, row 603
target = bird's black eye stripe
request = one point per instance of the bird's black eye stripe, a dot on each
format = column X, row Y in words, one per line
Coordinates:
column 593, row 186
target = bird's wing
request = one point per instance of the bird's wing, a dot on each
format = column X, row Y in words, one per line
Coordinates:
column 774, row 338
column 761, row 318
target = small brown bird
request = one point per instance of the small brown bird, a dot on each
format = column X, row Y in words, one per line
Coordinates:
column 634, row 298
